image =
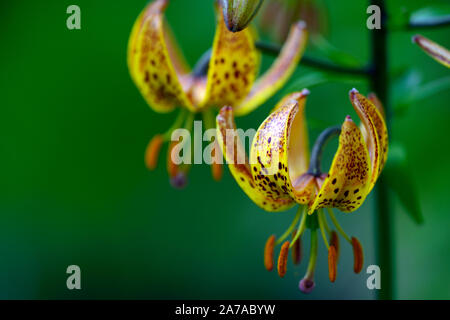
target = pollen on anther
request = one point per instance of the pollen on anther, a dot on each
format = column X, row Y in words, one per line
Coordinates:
column 268, row 253
column 152, row 152
column 296, row 249
column 172, row 168
column 282, row 259
column 217, row 171
column 332, row 263
column 334, row 241
column 358, row 255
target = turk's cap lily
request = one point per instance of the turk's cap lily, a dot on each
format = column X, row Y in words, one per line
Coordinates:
column 434, row 50
column 162, row 76
column 279, row 174
column 281, row 145
column 239, row 13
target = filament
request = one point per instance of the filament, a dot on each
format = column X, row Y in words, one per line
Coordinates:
column 291, row 227
column 322, row 229
column 338, row 226
column 301, row 226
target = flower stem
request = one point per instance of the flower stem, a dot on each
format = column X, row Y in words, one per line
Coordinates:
column 319, row 145
column 384, row 228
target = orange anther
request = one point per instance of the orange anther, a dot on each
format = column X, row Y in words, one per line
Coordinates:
column 357, row 255
column 152, row 151
column 282, row 259
column 332, row 263
column 268, row 253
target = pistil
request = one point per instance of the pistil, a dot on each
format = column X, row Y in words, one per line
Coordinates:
column 307, row 284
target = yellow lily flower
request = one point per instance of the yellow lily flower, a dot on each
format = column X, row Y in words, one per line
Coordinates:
column 279, row 173
column 164, row 80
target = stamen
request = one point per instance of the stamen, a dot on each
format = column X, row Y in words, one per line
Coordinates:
column 268, row 253
column 357, row 255
column 338, row 226
column 216, row 166
column 282, row 259
column 177, row 174
column 296, row 249
column 291, row 227
column 302, row 226
column 322, row 229
column 332, row 263
column 217, row 171
column 172, row 168
column 152, row 151
column 307, row 284
column 325, row 223
column 334, row 241
column 176, row 125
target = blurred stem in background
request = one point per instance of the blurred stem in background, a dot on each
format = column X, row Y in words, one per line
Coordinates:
column 384, row 228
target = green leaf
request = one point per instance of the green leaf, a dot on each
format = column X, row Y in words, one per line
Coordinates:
column 404, row 86
column 399, row 179
column 334, row 54
column 402, row 17
column 430, row 14
column 415, row 92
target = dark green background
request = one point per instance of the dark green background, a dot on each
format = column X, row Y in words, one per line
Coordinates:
column 74, row 189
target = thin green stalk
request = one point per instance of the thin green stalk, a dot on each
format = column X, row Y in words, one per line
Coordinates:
column 384, row 228
column 291, row 227
column 274, row 50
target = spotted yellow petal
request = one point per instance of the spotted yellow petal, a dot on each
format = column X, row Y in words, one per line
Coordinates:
column 279, row 153
column 277, row 75
column 375, row 131
column 150, row 61
column 348, row 181
column 379, row 120
column 236, row 158
column 437, row 52
column 233, row 66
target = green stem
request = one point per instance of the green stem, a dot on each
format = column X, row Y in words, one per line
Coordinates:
column 274, row 50
column 384, row 228
column 319, row 145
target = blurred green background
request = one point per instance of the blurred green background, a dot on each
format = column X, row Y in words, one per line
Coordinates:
column 74, row 188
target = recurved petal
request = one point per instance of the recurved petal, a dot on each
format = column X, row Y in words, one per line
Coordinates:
column 437, row 52
column 233, row 66
column 150, row 61
column 236, row 157
column 348, row 181
column 279, row 153
column 375, row 131
column 280, row 71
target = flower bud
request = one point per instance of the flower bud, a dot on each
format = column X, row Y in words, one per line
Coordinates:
column 239, row 13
